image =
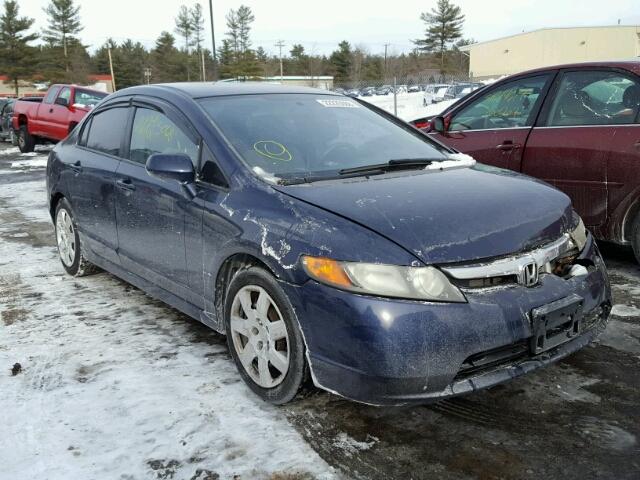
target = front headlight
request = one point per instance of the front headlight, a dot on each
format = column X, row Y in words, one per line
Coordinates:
column 414, row 283
column 579, row 235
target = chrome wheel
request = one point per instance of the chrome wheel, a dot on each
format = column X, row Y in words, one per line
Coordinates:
column 260, row 336
column 66, row 237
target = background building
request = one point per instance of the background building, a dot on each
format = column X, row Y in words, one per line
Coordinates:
column 552, row 46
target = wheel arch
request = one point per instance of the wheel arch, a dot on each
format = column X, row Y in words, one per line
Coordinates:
column 53, row 203
column 228, row 268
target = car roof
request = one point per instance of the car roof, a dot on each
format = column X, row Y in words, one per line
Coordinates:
column 631, row 65
column 218, row 89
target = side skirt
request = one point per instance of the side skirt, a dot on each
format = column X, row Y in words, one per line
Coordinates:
column 151, row 289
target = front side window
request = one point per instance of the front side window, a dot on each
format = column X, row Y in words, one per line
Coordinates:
column 88, row 98
column 306, row 134
column 595, row 98
column 51, row 94
column 508, row 106
column 153, row 132
column 105, row 130
column 65, row 94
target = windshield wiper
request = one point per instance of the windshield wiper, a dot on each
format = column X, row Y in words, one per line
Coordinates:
column 395, row 164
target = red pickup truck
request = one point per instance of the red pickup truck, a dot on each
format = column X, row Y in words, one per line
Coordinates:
column 55, row 116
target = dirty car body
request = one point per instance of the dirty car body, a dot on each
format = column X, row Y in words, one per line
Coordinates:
column 449, row 276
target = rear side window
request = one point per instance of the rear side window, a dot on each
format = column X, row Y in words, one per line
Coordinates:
column 153, row 132
column 105, row 131
column 51, row 95
column 595, row 98
column 507, row 106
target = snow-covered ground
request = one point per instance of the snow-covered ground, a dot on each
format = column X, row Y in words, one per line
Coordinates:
column 410, row 105
column 114, row 385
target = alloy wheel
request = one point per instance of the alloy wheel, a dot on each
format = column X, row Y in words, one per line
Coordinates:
column 66, row 237
column 260, row 336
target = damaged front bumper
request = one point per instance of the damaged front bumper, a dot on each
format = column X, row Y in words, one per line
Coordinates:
column 390, row 352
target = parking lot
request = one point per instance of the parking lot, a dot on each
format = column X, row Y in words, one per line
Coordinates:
column 113, row 384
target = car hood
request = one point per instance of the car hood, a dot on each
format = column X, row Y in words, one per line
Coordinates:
column 445, row 216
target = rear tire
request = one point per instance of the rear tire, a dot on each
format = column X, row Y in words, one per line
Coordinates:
column 264, row 337
column 69, row 245
column 26, row 141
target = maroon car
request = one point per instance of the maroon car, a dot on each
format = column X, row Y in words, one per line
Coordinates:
column 573, row 126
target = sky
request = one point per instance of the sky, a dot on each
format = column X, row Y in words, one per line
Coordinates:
column 321, row 25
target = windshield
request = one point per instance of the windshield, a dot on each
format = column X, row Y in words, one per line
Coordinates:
column 88, row 97
column 290, row 135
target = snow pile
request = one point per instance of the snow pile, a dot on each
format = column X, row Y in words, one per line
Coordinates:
column 114, row 384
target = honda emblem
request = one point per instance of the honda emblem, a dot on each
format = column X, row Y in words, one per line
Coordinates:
column 529, row 274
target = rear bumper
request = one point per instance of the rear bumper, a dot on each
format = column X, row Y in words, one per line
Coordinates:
column 389, row 352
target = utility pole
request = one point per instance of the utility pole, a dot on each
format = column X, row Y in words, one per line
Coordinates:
column 280, row 44
column 386, row 45
column 147, row 75
column 213, row 42
column 204, row 73
column 113, row 78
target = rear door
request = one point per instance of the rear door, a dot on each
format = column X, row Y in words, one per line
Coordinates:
column 91, row 182
column 151, row 213
column 588, row 115
column 493, row 128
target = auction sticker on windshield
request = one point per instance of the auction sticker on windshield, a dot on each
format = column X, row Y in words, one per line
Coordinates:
column 338, row 103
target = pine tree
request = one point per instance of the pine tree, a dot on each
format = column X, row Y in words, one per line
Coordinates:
column 16, row 56
column 184, row 28
column 226, row 59
column 64, row 24
column 165, row 60
column 443, row 26
column 341, row 60
column 244, row 62
column 197, row 27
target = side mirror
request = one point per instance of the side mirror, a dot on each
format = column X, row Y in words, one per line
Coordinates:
column 63, row 102
column 438, row 124
column 171, row 166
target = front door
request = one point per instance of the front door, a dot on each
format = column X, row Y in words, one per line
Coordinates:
column 571, row 145
column 59, row 115
column 494, row 127
column 151, row 212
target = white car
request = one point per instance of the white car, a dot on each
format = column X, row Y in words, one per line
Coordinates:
column 434, row 93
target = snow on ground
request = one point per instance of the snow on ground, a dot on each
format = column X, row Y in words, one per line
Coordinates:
column 410, row 105
column 25, row 161
column 116, row 385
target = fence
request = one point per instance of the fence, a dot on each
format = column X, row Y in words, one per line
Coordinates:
column 411, row 97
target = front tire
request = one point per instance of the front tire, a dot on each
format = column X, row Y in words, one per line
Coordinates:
column 68, row 241
column 13, row 138
column 26, row 141
column 264, row 337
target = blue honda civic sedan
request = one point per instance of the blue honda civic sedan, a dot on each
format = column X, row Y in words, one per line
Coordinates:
column 333, row 244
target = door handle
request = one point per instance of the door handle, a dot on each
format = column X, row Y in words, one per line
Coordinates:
column 51, row 110
column 76, row 167
column 125, row 184
column 637, row 145
column 508, row 145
